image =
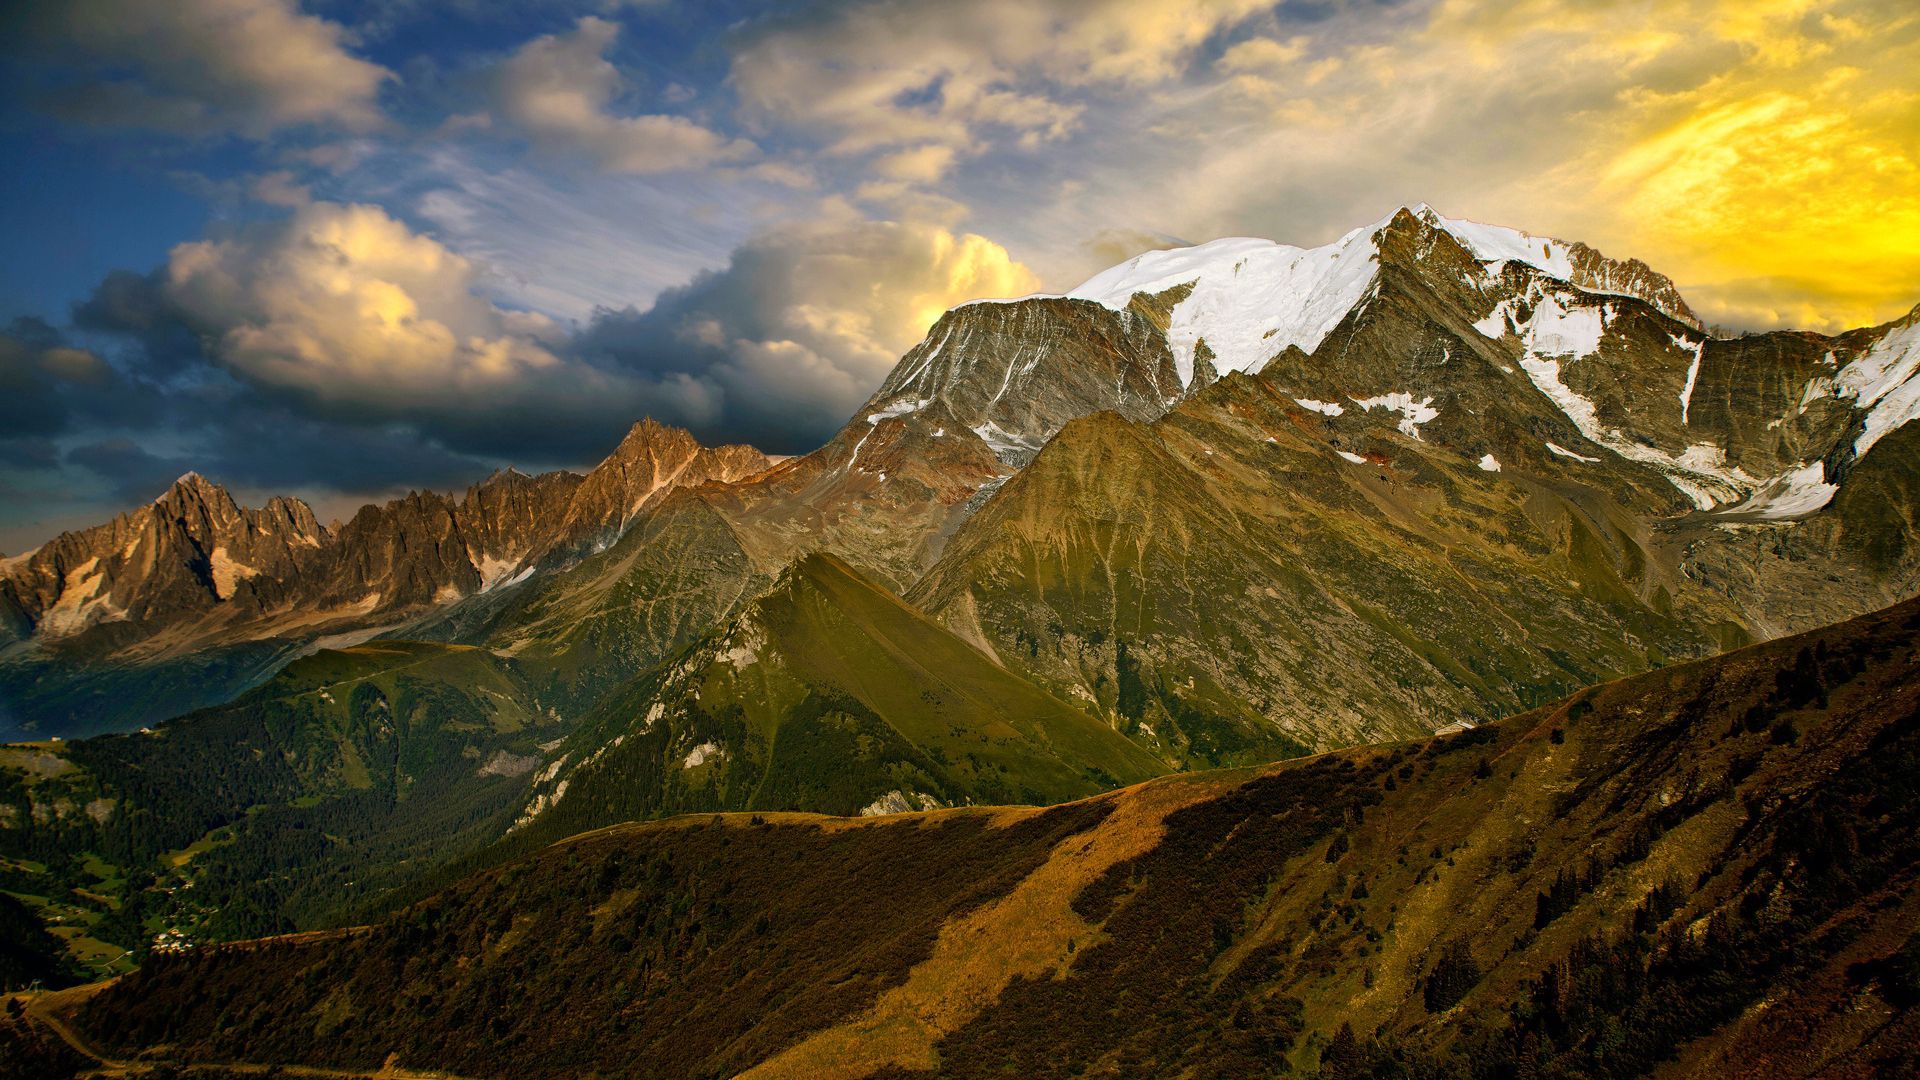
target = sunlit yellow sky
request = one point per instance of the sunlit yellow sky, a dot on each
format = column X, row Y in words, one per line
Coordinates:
column 1775, row 177
column 1763, row 154
column 342, row 250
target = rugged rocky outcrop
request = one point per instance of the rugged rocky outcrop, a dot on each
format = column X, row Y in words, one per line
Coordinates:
column 203, row 595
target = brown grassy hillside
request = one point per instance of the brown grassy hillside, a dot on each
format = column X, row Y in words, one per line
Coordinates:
column 1705, row 870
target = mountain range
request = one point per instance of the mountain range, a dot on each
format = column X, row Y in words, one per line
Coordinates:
column 1217, row 507
column 1380, row 448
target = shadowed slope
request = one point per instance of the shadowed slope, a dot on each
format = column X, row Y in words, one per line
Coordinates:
column 1605, row 886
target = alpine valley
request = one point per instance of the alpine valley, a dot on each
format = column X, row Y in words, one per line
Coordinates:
column 1435, row 653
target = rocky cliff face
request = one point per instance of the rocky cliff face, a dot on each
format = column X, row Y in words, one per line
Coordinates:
column 195, row 573
column 189, row 550
column 653, row 459
column 194, row 550
column 1013, row 373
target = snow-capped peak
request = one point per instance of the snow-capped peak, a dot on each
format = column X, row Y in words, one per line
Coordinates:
column 1252, row 298
column 1497, row 243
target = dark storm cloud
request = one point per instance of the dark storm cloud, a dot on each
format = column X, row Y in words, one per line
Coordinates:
column 48, row 386
column 343, row 318
column 132, row 472
column 802, row 324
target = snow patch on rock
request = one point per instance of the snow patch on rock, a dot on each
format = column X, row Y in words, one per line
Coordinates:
column 1882, row 382
column 1412, row 413
column 1693, row 373
column 900, row 802
column 82, row 603
column 1798, row 491
column 227, row 572
column 1556, row 448
column 1497, row 323
column 898, row 407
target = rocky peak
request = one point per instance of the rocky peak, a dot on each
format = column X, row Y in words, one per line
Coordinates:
column 194, row 498
column 1574, row 262
column 653, row 459
column 1014, row 372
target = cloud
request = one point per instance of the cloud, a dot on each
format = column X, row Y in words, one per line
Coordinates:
column 922, row 164
column 345, row 305
column 1264, row 54
column 278, row 188
column 250, row 67
column 804, row 321
column 567, row 246
column 344, row 317
column 1763, row 154
column 47, row 386
column 885, row 75
column 557, row 90
column 130, row 470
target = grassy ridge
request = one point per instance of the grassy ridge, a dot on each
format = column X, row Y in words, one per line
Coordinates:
column 827, row 695
column 1594, row 888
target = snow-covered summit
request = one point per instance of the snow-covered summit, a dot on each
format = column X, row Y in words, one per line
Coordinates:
column 1497, row 243
column 1252, row 298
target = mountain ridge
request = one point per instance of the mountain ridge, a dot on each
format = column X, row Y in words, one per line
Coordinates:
column 195, row 573
column 1607, row 885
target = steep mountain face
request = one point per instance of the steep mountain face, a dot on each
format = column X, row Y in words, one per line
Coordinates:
column 826, row 694
column 1700, row 871
column 968, row 406
column 677, row 572
column 1484, row 480
column 650, row 462
column 1015, row 373
column 196, row 595
column 1226, row 586
column 191, row 549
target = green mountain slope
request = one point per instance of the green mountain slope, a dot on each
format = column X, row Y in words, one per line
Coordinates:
column 828, row 694
column 1701, row 871
column 350, row 772
column 1226, row 585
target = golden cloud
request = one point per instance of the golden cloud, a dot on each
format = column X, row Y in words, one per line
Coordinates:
column 1764, row 153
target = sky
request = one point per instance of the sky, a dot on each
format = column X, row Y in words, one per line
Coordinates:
column 341, row 250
